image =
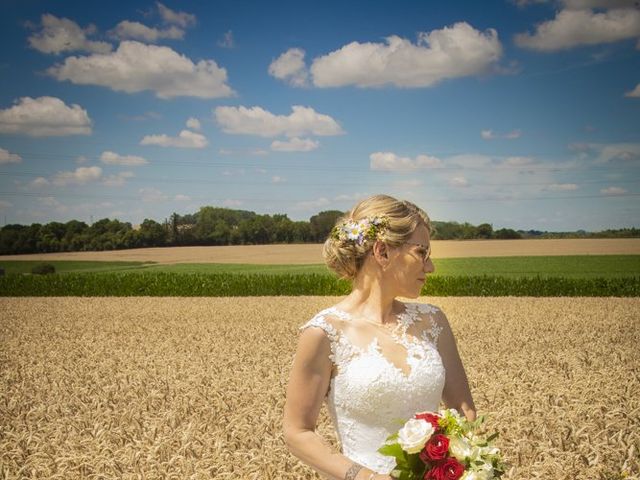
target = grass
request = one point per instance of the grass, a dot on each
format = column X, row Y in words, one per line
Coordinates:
column 233, row 285
column 578, row 266
column 70, row 266
column 575, row 266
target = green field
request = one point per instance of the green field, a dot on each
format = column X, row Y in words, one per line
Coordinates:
column 588, row 266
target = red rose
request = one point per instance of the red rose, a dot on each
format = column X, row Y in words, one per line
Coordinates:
column 451, row 468
column 432, row 418
column 436, row 448
column 447, row 469
column 434, row 474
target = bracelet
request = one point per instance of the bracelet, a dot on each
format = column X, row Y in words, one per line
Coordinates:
column 352, row 472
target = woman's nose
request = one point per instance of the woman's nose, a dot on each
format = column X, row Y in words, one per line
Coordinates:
column 429, row 267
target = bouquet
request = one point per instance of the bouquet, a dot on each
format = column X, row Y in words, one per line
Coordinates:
column 443, row 446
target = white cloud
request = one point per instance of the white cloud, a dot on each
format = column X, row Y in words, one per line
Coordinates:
column 81, row 159
column 44, row 117
column 193, row 124
column 227, row 40
column 572, row 28
column 517, row 162
column 181, row 198
column 587, row 4
column 64, row 35
column 290, row 67
column 185, row 139
column 611, row 152
column 39, row 182
column 295, row 144
column 229, row 202
column 257, row 121
column 135, row 67
column 117, row 180
column 491, row 135
column 152, row 195
column 524, row 3
column 562, row 187
column 278, row 179
column 7, row 157
column 353, row 197
column 4, row 204
column 613, row 191
column 456, row 51
column 127, row 30
column 112, row 158
column 389, row 161
column 177, row 18
column 634, row 93
column 311, row 204
column 470, row 160
column 49, row 201
column 459, row 182
column 408, row 183
column 79, row 176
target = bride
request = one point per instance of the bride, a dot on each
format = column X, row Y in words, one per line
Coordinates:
column 374, row 360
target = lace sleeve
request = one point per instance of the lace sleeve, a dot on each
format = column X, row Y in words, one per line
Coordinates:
column 320, row 322
column 431, row 332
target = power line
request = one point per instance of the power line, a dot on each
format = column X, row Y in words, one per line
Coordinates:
column 319, row 184
column 272, row 199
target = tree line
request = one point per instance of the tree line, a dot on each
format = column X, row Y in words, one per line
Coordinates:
column 224, row 226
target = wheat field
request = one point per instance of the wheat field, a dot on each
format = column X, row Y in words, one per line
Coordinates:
column 193, row 388
column 301, row 254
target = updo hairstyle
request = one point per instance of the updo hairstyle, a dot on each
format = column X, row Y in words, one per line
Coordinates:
column 346, row 258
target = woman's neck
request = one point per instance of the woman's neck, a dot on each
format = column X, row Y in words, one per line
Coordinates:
column 370, row 300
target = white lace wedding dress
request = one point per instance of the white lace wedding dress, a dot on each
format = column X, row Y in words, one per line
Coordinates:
column 370, row 397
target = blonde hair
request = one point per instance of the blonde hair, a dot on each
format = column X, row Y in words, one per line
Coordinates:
column 346, row 258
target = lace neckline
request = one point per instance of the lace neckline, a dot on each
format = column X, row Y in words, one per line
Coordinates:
column 398, row 334
column 404, row 319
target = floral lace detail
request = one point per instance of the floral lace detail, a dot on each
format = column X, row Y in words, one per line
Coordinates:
column 370, row 397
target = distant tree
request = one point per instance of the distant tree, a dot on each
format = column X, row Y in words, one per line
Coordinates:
column 152, row 234
column 484, row 230
column 322, row 223
column 507, row 233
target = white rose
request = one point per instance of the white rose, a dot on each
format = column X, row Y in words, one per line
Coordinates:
column 460, row 448
column 487, row 469
column 475, row 475
column 413, row 436
column 490, row 450
column 452, row 411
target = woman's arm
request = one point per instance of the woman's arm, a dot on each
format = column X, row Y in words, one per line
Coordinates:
column 456, row 392
column 308, row 385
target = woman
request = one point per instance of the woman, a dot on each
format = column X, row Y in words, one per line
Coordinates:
column 375, row 360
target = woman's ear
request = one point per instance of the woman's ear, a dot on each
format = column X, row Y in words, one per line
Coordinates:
column 381, row 252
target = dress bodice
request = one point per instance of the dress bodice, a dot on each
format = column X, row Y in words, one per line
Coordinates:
column 369, row 398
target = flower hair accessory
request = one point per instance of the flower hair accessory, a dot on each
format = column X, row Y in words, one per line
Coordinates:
column 358, row 232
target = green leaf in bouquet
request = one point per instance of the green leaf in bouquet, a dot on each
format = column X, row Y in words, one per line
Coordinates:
column 416, row 465
column 392, row 450
column 406, row 476
column 392, row 437
column 492, row 437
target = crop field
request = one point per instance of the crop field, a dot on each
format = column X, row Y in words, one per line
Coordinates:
column 572, row 266
column 193, row 388
column 301, row 254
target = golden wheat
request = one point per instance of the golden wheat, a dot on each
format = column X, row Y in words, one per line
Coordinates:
column 301, row 254
column 193, row 388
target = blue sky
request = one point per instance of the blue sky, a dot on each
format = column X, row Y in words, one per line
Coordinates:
column 519, row 113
